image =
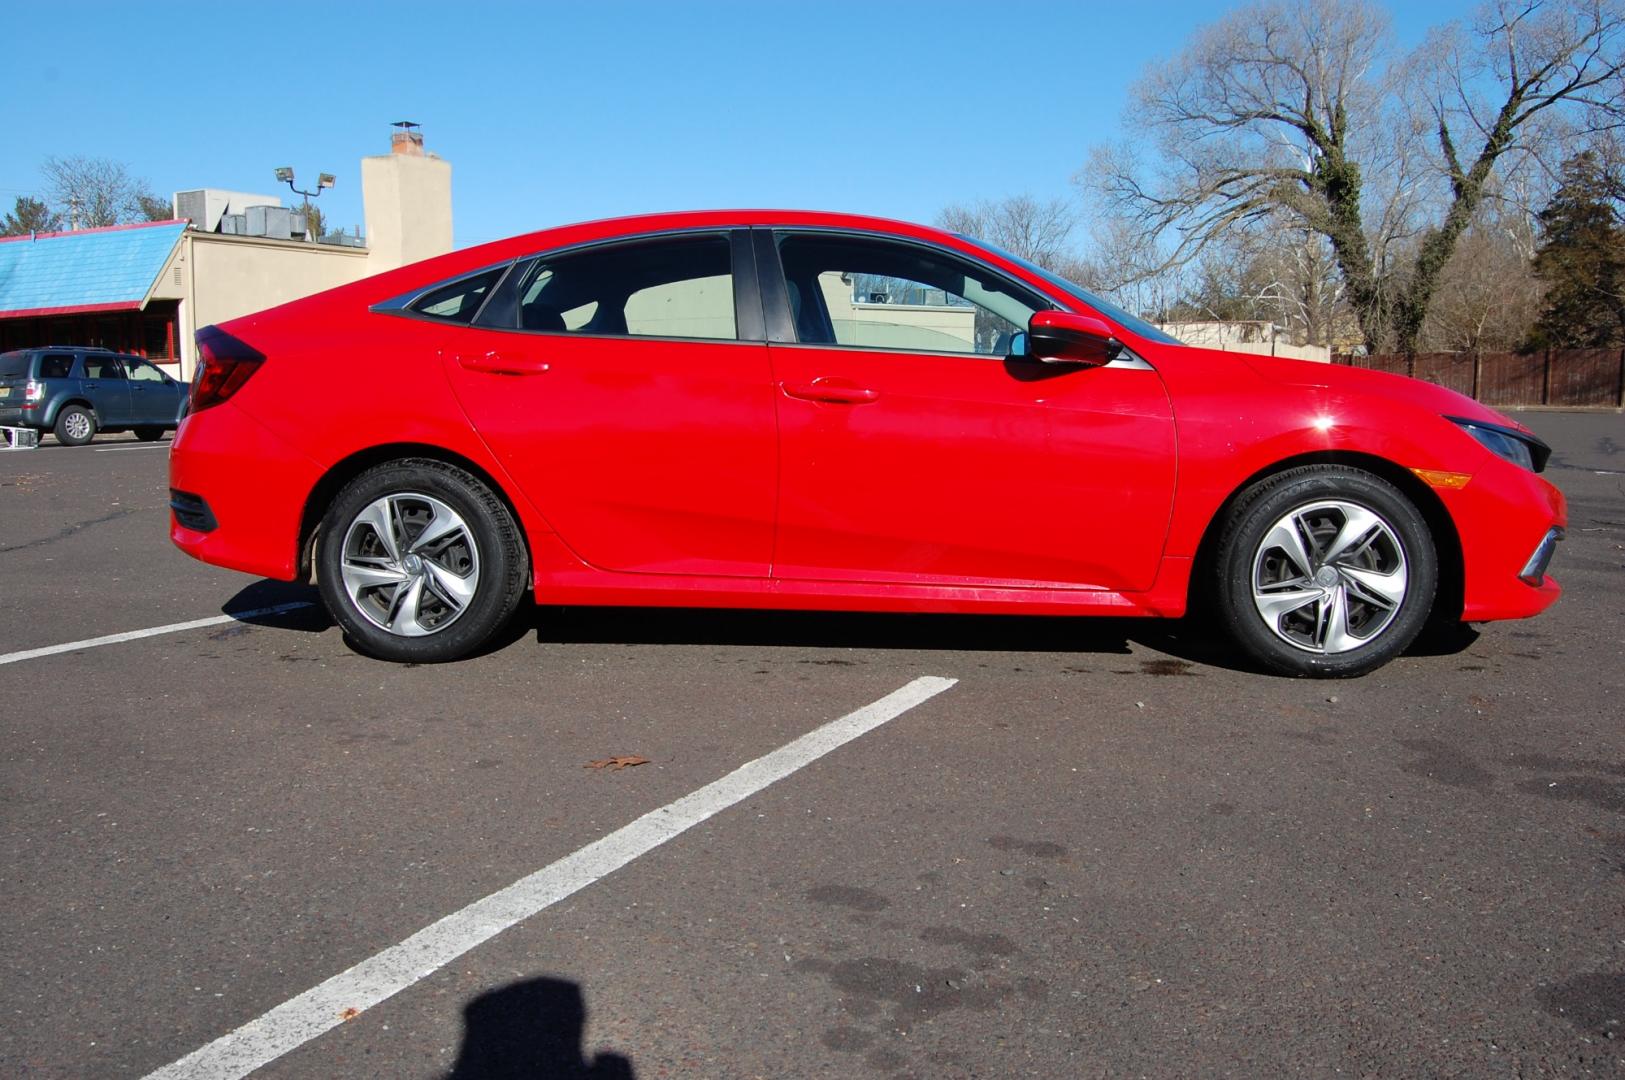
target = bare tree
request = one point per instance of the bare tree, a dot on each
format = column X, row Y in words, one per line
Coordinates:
column 93, row 192
column 1301, row 107
column 1022, row 225
column 1487, row 298
column 1128, row 267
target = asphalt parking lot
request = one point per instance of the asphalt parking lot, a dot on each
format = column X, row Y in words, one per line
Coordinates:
column 1106, row 849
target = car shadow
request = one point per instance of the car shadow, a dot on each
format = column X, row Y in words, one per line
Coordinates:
column 1195, row 639
column 531, row 1029
column 1185, row 639
column 272, row 604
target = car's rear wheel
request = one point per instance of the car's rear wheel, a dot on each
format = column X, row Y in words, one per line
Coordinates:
column 1325, row 571
column 149, row 434
column 75, row 426
column 420, row 561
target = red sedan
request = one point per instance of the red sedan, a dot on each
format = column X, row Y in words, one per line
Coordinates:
column 821, row 411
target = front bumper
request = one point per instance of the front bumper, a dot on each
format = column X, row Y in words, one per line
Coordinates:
column 1509, row 521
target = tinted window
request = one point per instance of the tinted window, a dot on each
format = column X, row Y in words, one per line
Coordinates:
column 680, row 287
column 880, row 294
column 459, row 301
column 103, row 367
column 55, row 365
column 13, row 365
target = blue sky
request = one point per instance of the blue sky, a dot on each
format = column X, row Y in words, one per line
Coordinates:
column 551, row 113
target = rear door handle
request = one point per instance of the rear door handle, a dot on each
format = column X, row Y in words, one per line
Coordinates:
column 832, row 390
column 495, row 363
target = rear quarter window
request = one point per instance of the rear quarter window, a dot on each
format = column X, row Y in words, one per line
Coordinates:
column 459, row 301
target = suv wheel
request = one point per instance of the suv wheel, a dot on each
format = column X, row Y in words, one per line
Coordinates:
column 149, row 434
column 420, row 562
column 75, row 426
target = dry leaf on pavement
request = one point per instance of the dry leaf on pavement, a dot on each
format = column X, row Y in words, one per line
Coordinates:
column 617, row 763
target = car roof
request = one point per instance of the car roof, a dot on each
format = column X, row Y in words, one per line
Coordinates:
column 638, row 224
column 470, row 259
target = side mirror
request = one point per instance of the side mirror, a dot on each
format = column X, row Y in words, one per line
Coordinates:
column 1062, row 337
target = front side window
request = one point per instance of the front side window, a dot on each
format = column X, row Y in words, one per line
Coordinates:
column 141, row 371
column 679, row 287
column 881, row 294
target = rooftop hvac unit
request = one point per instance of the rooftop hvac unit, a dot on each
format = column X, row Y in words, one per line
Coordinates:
column 204, row 207
column 274, row 222
column 234, row 224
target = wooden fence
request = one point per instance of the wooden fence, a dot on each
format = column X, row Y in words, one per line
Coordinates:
column 1571, row 378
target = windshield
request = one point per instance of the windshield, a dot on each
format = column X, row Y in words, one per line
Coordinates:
column 1071, row 288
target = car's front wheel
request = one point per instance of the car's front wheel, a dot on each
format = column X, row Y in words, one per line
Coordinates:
column 75, row 426
column 149, row 434
column 420, row 561
column 1325, row 571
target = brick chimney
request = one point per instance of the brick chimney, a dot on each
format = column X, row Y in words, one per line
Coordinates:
column 406, row 139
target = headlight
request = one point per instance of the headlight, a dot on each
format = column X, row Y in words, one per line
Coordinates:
column 1515, row 446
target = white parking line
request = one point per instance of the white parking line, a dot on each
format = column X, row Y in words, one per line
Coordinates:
column 143, row 446
column 151, row 631
column 323, row 1007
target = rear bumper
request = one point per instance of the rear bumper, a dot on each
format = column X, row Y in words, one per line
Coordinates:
column 254, row 485
column 1505, row 517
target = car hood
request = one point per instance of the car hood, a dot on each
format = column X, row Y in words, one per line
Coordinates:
column 1344, row 379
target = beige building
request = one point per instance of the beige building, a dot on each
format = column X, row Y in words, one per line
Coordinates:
column 214, row 274
column 1257, row 337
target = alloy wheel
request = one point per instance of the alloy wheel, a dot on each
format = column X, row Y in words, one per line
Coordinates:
column 410, row 564
column 1329, row 577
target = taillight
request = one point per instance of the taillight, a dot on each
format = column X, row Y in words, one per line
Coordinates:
column 33, row 391
column 222, row 371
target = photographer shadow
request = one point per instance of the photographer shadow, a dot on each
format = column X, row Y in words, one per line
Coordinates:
column 531, row 1030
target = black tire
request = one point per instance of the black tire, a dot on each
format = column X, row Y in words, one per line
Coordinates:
column 150, row 434
column 1358, row 628
column 487, row 548
column 80, row 420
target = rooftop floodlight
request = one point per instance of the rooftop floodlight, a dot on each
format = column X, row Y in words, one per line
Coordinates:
column 323, row 182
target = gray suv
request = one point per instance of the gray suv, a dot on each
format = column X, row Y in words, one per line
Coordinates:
column 76, row 392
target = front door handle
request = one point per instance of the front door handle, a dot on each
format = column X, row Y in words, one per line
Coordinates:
column 496, row 363
column 832, row 390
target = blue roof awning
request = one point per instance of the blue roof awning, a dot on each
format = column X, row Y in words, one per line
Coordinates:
column 111, row 269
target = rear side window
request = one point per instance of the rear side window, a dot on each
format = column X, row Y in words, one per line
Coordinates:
column 13, row 365
column 459, row 301
column 676, row 287
column 55, row 366
column 103, row 367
